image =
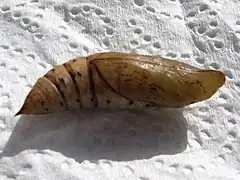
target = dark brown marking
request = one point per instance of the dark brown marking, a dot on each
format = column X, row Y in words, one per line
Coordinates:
column 108, row 101
column 153, row 89
column 70, row 72
column 94, row 101
column 79, row 74
column 91, row 84
column 61, row 92
column 42, row 103
column 58, row 89
column 127, row 80
column 130, row 102
column 62, row 80
column 102, row 77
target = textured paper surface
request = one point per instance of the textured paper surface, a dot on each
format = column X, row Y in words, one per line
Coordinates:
column 200, row 141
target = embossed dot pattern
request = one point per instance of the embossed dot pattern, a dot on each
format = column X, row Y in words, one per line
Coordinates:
column 75, row 10
column 201, row 29
column 200, row 141
column 86, row 8
column 25, row 21
column 157, row 45
column 213, row 23
column 17, row 14
column 213, row 13
column 211, row 33
column 138, row 31
column 203, row 7
column 139, row 2
column 109, row 31
column 132, row 22
column 150, row 9
column 5, row 8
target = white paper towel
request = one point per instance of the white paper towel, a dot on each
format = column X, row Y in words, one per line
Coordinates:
column 200, row 141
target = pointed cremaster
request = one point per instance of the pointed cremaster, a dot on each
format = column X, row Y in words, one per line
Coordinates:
column 43, row 98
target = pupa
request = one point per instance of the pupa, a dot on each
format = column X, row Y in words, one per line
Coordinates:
column 120, row 80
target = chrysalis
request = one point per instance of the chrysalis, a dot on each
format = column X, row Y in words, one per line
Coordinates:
column 120, row 80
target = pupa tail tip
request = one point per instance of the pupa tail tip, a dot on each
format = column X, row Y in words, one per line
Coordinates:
column 19, row 112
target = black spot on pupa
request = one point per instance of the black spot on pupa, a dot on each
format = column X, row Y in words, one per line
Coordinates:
column 74, row 60
column 199, row 82
column 145, row 77
column 62, row 80
column 78, row 100
column 94, row 101
column 42, row 103
column 147, row 105
column 130, row 102
column 79, row 74
column 153, row 88
column 61, row 103
column 46, row 109
column 108, row 101
column 178, row 95
column 128, row 80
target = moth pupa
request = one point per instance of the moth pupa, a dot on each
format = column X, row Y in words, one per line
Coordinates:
column 120, row 80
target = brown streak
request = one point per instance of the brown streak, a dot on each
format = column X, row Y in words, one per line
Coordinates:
column 58, row 89
column 111, row 88
column 74, row 82
column 91, row 84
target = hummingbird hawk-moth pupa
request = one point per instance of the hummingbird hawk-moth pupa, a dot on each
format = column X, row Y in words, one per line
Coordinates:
column 120, row 80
